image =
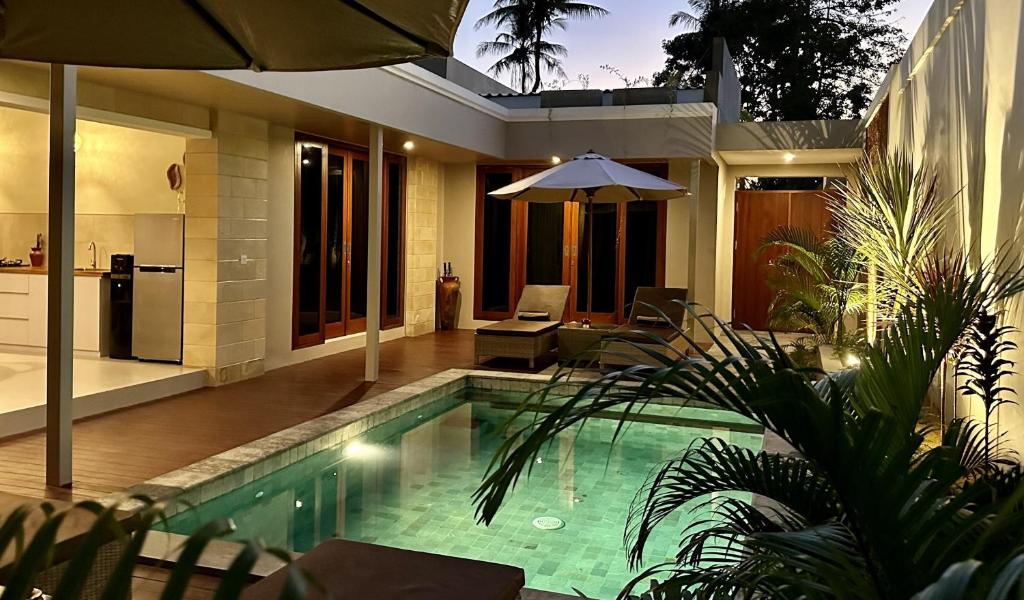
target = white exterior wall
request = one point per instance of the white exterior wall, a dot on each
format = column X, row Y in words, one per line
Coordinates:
column 957, row 106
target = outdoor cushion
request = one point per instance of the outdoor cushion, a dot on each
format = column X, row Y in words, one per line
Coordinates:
column 549, row 299
column 515, row 327
column 534, row 316
column 652, row 321
column 642, row 335
column 356, row 570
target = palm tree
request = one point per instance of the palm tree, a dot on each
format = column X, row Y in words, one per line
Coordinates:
column 527, row 22
column 861, row 509
column 513, row 45
column 817, row 284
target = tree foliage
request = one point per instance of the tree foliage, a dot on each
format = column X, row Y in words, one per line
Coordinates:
column 522, row 43
column 797, row 59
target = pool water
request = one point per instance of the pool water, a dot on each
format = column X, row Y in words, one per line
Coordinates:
column 409, row 484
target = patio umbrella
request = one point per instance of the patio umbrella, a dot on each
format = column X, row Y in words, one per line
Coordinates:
column 598, row 179
column 271, row 35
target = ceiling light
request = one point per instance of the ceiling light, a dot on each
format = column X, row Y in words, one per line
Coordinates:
column 556, row 160
column 409, row 145
column 789, row 157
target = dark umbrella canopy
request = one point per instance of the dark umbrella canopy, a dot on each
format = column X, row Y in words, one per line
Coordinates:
column 270, row 35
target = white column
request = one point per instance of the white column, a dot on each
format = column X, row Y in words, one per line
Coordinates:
column 703, row 239
column 61, row 275
column 373, row 253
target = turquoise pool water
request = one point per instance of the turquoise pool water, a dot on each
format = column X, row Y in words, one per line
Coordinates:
column 409, row 484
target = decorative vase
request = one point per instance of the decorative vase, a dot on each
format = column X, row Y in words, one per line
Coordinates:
column 36, row 256
column 447, row 301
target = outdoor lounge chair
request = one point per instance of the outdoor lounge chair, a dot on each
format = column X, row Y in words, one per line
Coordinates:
column 346, row 569
column 646, row 321
column 533, row 330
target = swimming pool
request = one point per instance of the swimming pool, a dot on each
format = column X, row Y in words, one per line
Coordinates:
column 408, row 483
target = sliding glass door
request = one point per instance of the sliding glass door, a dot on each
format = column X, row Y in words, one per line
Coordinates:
column 332, row 218
column 519, row 243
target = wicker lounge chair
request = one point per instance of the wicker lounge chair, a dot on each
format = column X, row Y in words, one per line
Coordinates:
column 345, row 569
column 646, row 321
column 532, row 332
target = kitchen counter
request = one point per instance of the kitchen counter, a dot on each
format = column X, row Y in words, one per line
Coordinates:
column 44, row 271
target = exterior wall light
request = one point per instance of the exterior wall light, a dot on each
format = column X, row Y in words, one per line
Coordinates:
column 789, row 157
column 409, row 146
column 556, row 160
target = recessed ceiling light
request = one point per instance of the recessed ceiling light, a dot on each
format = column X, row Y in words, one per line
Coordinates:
column 789, row 157
column 409, row 145
column 556, row 160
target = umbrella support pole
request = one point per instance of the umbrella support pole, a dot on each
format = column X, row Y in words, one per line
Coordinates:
column 590, row 255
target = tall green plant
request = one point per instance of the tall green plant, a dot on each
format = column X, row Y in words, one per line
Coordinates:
column 893, row 213
column 31, row 556
column 984, row 367
column 861, row 510
column 817, row 284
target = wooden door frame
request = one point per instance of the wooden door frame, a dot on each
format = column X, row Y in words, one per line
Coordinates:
column 329, row 146
column 736, row 227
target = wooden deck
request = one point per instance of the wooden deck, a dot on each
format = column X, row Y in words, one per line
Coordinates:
column 119, row 449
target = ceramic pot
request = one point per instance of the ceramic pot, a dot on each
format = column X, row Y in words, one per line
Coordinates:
column 447, row 301
column 36, row 257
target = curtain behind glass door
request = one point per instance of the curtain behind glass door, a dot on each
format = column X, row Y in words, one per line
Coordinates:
column 641, row 249
column 545, row 230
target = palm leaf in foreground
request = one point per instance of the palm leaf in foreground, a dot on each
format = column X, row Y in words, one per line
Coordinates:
column 863, row 511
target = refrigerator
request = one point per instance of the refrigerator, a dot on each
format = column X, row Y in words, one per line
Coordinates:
column 158, row 287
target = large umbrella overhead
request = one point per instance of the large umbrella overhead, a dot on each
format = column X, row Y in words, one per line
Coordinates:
column 271, row 35
column 597, row 179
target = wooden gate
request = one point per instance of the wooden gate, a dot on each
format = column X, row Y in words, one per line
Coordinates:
column 758, row 213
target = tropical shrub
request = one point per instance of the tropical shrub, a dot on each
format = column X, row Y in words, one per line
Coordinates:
column 892, row 213
column 818, row 284
column 31, row 557
column 860, row 509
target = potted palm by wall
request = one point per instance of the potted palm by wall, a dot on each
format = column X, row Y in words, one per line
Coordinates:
column 862, row 509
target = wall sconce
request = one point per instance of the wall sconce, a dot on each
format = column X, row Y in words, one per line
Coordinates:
column 77, row 145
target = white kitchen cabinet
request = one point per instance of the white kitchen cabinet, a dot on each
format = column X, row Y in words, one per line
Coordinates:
column 23, row 311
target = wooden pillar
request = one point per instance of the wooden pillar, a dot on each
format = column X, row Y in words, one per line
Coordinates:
column 373, row 261
column 61, row 275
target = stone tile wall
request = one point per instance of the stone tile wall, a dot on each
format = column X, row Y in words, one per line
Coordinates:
column 226, row 249
column 423, row 195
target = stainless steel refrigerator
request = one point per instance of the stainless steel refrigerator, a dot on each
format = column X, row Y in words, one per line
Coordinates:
column 159, row 284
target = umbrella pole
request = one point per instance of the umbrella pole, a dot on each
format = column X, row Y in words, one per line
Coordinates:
column 590, row 254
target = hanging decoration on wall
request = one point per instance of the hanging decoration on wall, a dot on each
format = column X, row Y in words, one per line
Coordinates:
column 176, row 180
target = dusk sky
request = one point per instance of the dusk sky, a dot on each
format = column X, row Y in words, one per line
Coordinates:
column 629, row 39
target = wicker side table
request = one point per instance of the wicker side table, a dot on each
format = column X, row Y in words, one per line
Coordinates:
column 578, row 343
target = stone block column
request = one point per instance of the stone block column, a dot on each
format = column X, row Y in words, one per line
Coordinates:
column 423, row 193
column 226, row 249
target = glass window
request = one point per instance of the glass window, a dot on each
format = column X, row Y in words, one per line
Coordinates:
column 335, row 279
column 360, row 221
column 544, row 244
column 497, row 242
column 605, row 259
column 393, row 241
column 309, row 234
column 641, row 249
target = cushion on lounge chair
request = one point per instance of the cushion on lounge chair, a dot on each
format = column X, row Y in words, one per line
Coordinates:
column 527, row 315
column 348, row 569
column 519, row 328
column 652, row 321
column 642, row 335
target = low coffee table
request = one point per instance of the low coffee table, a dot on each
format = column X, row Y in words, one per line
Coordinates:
column 579, row 343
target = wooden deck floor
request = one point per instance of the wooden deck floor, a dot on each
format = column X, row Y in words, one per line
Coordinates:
column 117, row 450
